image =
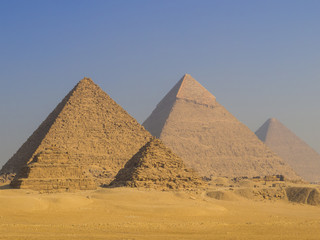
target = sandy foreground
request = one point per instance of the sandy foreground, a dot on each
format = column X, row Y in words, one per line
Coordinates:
column 124, row 213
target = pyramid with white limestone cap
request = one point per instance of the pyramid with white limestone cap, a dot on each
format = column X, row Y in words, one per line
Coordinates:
column 209, row 139
column 298, row 154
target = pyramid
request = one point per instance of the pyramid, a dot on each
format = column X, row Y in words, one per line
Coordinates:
column 299, row 155
column 209, row 139
column 156, row 166
column 88, row 130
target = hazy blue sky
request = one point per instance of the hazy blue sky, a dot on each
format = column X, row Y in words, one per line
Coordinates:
column 260, row 59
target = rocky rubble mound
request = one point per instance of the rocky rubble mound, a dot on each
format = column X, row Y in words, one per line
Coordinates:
column 6, row 178
column 156, row 166
column 304, row 195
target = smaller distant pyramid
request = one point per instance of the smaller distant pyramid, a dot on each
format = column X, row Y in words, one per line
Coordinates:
column 156, row 166
column 52, row 170
column 299, row 155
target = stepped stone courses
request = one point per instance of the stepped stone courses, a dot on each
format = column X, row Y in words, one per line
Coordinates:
column 53, row 170
column 156, row 166
column 195, row 126
column 91, row 128
column 299, row 155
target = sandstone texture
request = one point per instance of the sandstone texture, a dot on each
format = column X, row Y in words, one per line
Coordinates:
column 156, row 166
column 211, row 140
column 91, row 129
column 299, row 155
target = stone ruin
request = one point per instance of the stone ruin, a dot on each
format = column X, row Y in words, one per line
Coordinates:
column 156, row 166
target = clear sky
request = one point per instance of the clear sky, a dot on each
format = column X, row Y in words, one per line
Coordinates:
column 260, row 59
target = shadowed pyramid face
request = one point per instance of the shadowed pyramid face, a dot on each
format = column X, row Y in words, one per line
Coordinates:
column 303, row 159
column 211, row 140
column 91, row 128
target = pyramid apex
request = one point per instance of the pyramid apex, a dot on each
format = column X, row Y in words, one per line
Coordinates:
column 86, row 80
column 190, row 89
column 273, row 120
column 188, row 77
column 263, row 131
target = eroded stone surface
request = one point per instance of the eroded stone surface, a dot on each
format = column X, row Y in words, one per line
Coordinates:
column 52, row 170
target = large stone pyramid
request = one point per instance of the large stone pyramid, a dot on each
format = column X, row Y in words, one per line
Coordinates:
column 195, row 126
column 303, row 159
column 156, row 166
column 88, row 130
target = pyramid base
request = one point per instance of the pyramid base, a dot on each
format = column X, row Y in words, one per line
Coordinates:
column 161, row 185
column 54, row 184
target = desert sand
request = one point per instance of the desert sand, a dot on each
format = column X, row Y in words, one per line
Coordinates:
column 130, row 213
